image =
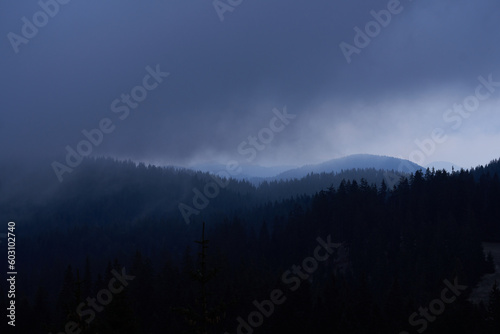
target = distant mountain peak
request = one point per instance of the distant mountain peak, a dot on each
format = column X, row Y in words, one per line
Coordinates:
column 355, row 161
column 256, row 173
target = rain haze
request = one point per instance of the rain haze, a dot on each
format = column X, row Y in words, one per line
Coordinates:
column 381, row 91
column 341, row 156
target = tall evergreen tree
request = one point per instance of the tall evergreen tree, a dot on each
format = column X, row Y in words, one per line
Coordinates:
column 202, row 319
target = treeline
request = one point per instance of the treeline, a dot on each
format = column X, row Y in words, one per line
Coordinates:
column 398, row 248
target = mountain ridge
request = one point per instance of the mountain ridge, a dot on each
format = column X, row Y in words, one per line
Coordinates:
column 355, row 161
column 256, row 173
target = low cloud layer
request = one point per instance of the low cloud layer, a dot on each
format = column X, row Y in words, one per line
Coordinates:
column 226, row 77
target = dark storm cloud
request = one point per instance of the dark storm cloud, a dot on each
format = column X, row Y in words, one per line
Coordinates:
column 226, row 78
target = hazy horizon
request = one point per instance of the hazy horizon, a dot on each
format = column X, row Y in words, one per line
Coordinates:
column 180, row 87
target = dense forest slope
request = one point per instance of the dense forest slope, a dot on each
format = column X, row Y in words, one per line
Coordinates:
column 396, row 249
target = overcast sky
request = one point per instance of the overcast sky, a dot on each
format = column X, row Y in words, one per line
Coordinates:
column 226, row 77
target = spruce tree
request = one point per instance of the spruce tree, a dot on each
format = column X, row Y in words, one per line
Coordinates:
column 202, row 319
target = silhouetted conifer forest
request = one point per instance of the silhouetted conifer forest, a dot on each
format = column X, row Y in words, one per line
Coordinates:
column 402, row 257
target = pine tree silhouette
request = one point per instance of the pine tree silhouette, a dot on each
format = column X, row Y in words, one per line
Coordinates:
column 202, row 319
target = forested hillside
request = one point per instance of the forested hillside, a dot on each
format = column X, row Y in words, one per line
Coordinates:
column 389, row 252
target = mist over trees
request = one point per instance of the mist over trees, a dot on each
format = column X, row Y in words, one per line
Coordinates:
column 395, row 249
